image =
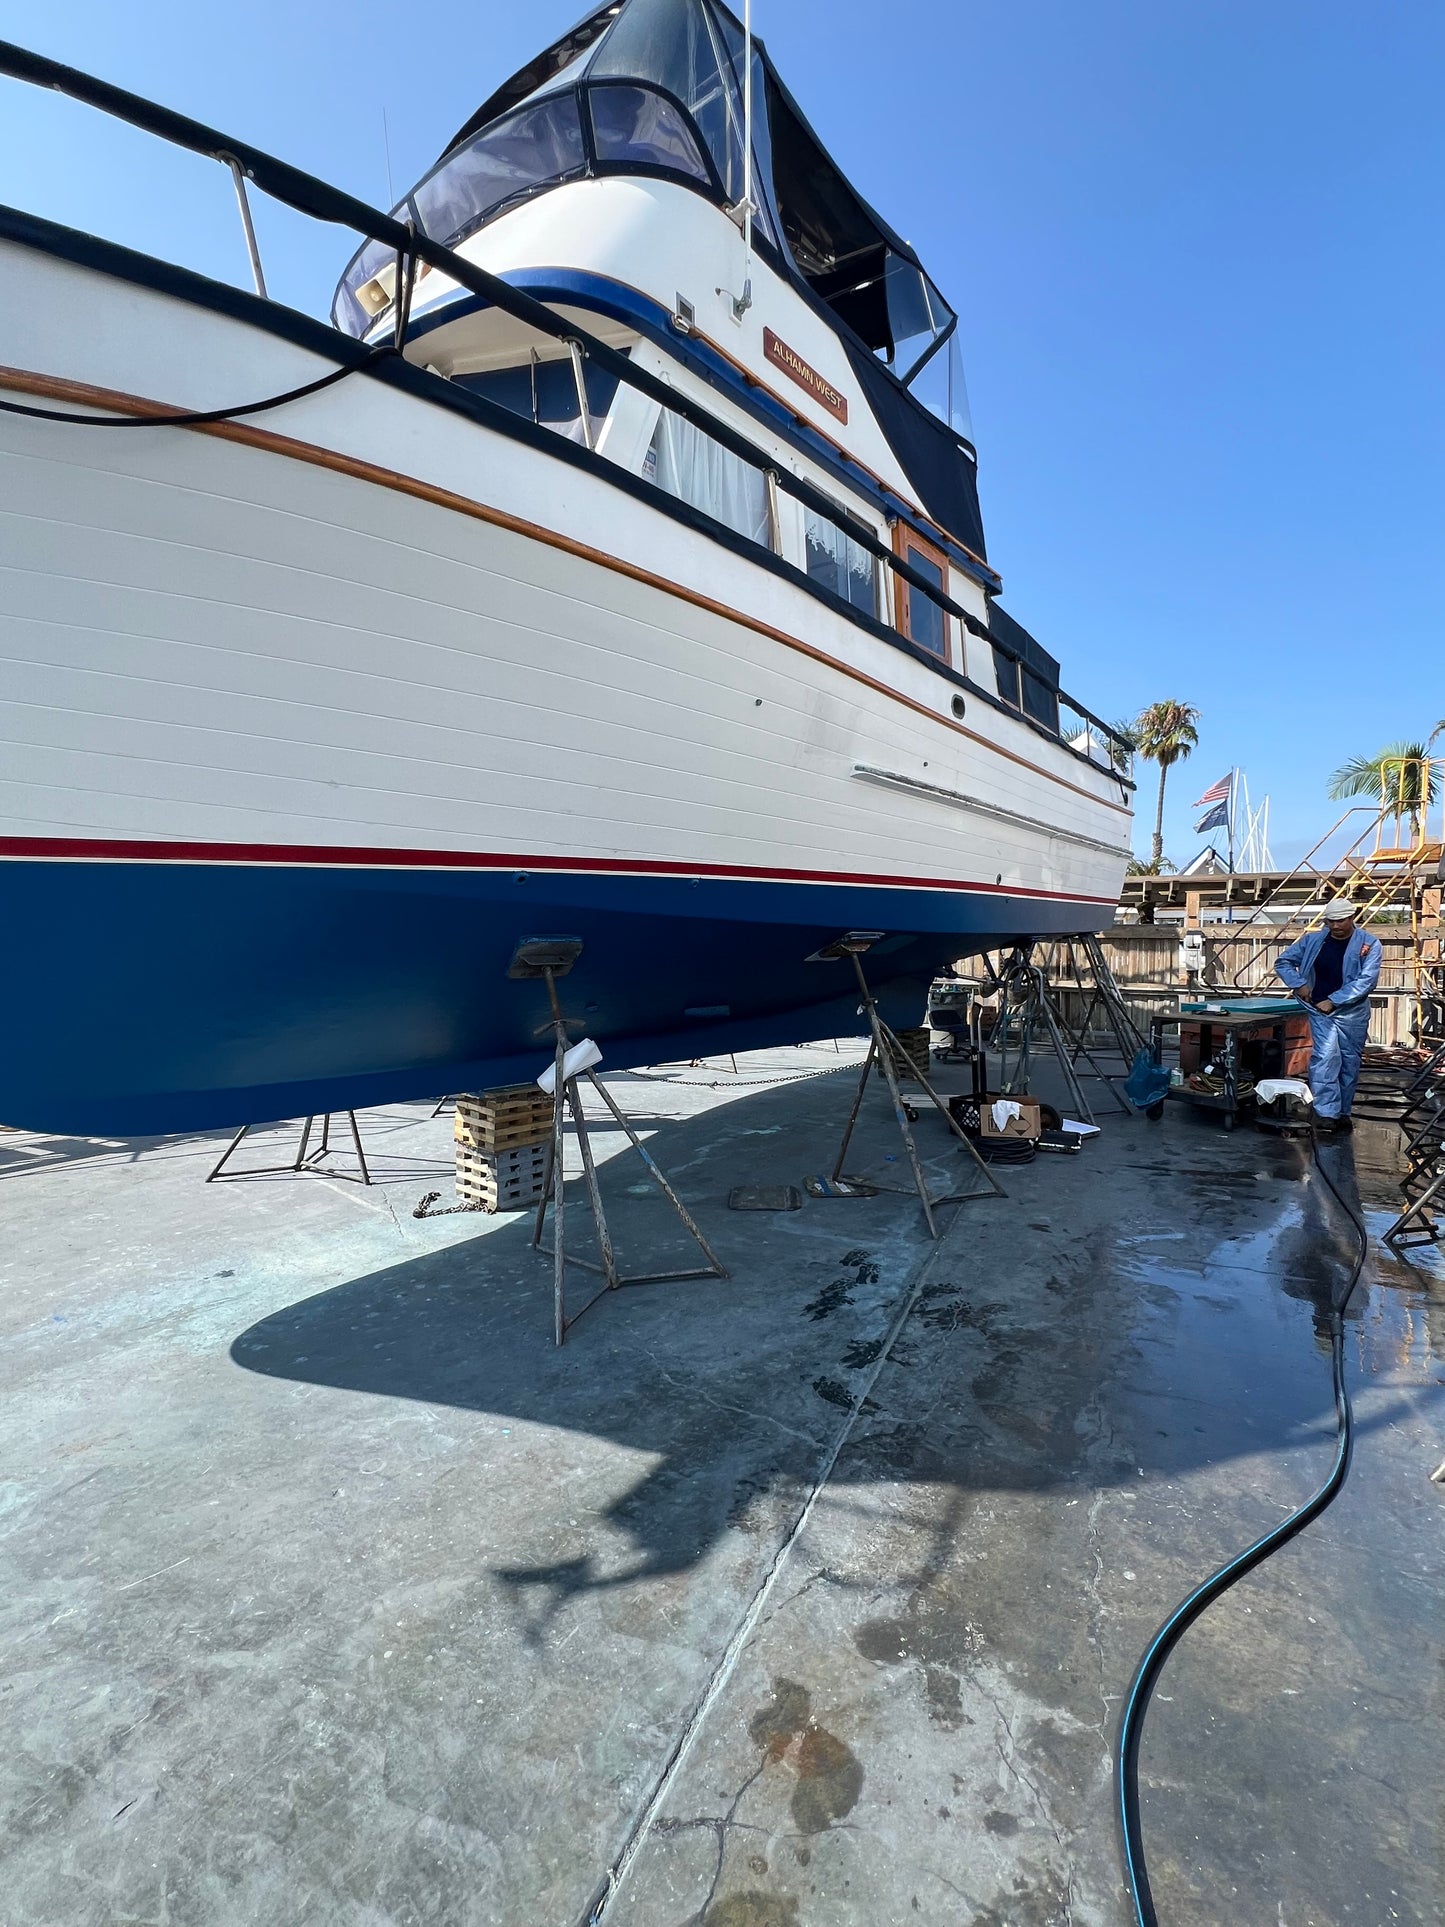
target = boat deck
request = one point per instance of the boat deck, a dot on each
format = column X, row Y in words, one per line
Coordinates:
column 331, row 1593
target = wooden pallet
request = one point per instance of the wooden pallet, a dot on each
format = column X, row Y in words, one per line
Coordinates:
column 502, row 1180
column 506, row 1119
column 912, row 1055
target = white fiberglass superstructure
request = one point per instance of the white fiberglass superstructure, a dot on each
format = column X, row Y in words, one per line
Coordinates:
column 618, row 573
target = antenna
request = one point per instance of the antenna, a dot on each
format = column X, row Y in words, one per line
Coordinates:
column 745, row 300
column 747, row 132
column 386, row 143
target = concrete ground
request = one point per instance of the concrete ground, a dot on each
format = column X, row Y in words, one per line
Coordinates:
column 331, row 1593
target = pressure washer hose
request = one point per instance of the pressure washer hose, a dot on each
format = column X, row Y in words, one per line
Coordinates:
column 1156, row 1654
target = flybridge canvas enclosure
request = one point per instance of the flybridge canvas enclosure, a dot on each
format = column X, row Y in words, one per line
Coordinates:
column 656, row 87
column 946, row 480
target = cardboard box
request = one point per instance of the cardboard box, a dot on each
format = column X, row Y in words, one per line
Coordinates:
column 1028, row 1124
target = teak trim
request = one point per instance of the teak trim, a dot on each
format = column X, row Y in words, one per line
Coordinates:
column 906, row 539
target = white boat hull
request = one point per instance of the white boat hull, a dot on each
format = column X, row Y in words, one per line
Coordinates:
column 310, row 718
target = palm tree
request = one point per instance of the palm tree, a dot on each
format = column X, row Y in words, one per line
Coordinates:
column 1123, row 744
column 1400, row 778
column 1165, row 733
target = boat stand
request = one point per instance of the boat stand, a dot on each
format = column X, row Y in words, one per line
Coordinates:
column 1106, row 1000
column 1027, row 1006
column 548, row 958
column 1423, row 1185
column 305, row 1160
column 885, row 1051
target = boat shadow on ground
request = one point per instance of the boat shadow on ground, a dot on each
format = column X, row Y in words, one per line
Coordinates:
column 29, row 1154
column 1023, row 1367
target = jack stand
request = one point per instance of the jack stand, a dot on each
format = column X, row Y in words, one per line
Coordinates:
column 305, row 1160
column 885, row 1051
column 549, row 958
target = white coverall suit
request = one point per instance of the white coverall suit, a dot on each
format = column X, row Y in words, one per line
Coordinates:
column 1338, row 1037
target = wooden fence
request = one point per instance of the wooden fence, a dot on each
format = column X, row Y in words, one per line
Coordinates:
column 1146, row 962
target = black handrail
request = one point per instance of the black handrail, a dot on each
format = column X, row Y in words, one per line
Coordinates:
column 308, row 195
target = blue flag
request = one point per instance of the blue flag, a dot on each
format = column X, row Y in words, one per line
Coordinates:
column 1217, row 819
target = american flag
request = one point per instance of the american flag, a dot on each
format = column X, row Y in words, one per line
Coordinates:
column 1217, row 792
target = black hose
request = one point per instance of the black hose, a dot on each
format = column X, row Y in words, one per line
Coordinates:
column 1156, row 1654
column 199, row 418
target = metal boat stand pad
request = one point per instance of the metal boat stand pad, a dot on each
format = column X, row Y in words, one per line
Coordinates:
column 305, row 1160
column 547, row 959
column 885, row 1051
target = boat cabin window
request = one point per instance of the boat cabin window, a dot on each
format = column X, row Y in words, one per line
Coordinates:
column 920, row 618
column 837, row 562
column 695, row 468
column 682, row 50
column 939, row 384
column 552, row 68
column 534, row 148
column 546, row 392
column 634, row 128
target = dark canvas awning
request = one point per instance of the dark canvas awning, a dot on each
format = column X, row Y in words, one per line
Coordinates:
column 656, row 86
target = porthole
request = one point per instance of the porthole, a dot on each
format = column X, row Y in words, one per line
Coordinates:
column 959, row 707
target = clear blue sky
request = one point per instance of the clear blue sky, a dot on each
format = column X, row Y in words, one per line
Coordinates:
column 1196, row 250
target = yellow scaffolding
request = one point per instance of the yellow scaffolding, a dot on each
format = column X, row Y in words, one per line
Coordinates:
column 1396, row 859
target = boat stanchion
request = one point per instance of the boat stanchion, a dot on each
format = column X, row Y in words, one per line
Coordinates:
column 547, row 959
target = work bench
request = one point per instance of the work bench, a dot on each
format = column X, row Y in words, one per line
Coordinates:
column 1245, row 1038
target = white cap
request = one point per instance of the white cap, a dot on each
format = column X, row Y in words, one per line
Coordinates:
column 1340, row 910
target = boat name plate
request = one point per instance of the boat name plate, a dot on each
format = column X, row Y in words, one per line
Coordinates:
column 792, row 363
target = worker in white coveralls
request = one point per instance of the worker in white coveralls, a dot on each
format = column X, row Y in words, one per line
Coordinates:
column 1332, row 972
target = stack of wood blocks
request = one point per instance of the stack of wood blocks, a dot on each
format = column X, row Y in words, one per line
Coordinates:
column 911, row 1058
column 501, row 1144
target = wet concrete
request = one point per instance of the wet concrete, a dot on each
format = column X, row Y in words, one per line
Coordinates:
column 330, row 1593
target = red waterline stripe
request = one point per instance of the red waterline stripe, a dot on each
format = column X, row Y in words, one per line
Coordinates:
column 124, row 850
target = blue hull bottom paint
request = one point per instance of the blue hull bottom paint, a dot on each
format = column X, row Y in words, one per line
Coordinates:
column 144, row 997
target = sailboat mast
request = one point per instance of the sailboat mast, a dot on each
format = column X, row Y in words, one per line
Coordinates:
column 1234, row 777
